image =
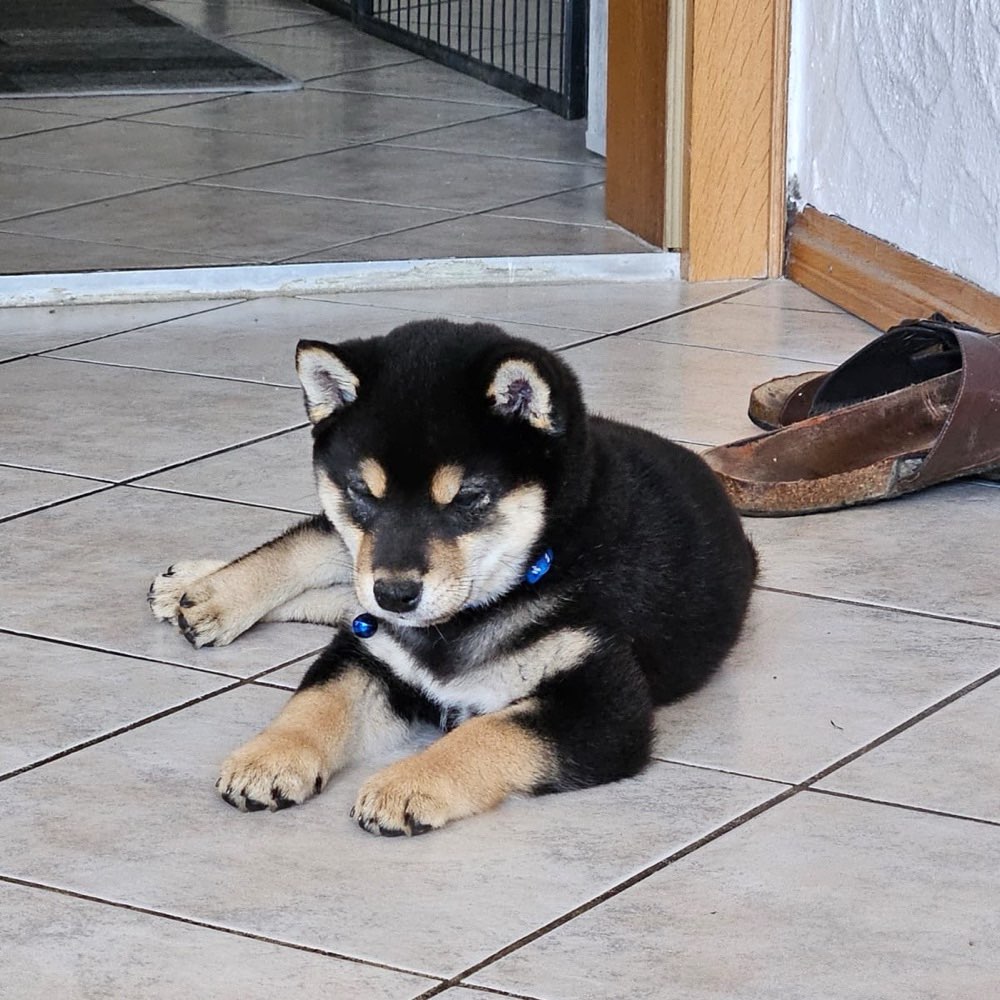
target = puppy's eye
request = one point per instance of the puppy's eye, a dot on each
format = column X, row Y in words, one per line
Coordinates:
column 358, row 492
column 472, row 496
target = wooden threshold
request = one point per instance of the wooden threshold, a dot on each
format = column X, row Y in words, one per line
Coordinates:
column 877, row 281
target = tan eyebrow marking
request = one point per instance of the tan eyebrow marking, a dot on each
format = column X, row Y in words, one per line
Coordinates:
column 374, row 477
column 446, row 483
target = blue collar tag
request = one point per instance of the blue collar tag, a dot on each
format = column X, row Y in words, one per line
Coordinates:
column 364, row 626
column 539, row 567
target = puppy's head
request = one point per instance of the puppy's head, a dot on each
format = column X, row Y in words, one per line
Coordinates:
column 441, row 453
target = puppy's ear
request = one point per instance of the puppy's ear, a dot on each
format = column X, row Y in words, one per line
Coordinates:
column 328, row 383
column 519, row 390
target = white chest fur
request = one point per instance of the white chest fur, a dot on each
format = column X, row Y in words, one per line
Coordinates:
column 493, row 682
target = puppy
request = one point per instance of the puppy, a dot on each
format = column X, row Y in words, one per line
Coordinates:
column 531, row 579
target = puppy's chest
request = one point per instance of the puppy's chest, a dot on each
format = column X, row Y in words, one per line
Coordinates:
column 483, row 670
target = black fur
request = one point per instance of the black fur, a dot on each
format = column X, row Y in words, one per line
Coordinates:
column 649, row 556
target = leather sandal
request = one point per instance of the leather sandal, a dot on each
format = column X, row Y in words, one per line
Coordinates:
column 789, row 398
column 919, row 405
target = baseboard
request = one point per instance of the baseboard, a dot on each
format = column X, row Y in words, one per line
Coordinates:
column 877, row 281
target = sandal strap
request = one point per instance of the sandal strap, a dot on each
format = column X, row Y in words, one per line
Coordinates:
column 909, row 353
column 970, row 438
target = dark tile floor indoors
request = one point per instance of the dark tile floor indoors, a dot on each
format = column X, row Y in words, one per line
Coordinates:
column 820, row 822
column 380, row 155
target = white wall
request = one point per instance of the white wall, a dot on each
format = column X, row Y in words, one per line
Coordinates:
column 597, row 78
column 894, row 124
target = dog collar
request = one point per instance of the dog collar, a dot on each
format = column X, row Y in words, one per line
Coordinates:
column 366, row 625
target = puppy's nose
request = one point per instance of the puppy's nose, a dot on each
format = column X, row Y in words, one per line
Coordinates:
column 399, row 594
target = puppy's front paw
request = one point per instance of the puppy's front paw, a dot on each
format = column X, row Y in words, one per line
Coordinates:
column 212, row 612
column 273, row 771
column 405, row 800
column 166, row 590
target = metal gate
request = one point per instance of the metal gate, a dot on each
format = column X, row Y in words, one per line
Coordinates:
column 536, row 49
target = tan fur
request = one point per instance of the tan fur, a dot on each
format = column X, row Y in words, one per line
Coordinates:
column 469, row 770
column 446, row 482
column 223, row 604
column 334, row 505
column 320, row 606
column 327, row 382
column 374, row 477
column 515, row 370
column 315, row 734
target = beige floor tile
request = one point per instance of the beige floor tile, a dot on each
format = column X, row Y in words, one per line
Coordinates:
column 114, row 423
column 79, row 949
column 29, row 190
column 273, row 473
column 597, row 307
column 342, row 118
column 434, row 904
column 784, row 294
column 57, row 697
column 535, row 134
column 419, row 79
column 949, row 761
column 29, row 329
column 452, row 182
column 814, row 338
column 818, row 897
column 23, row 489
column 686, row 393
column 255, row 340
column 20, row 254
column 813, row 681
column 80, row 572
column 932, row 552
column 15, row 120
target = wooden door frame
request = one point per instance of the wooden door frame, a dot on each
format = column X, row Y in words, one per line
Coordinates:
column 735, row 112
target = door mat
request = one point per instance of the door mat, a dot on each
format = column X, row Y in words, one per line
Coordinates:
column 68, row 48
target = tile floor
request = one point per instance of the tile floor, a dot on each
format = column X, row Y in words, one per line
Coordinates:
column 822, row 821
column 381, row 155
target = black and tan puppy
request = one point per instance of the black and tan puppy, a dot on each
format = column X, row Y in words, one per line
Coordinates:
column 529, row 578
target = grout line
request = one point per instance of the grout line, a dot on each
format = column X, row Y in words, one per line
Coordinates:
column 739, row 821
column 637, row 326
column 55, row 503
column 236, row 36
column 207, row 925
column 131, row 480
column 925, row 713
column 211, row 454
column 49, row 356
column 118, row 731
column 474, row 987
column 857, row 603
column 174, row 491
column 714, row 769
column 460, row 216
column 621, row 887
column 236, row 682
column 208, row 308
column 109, row 651
column 927, row 810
